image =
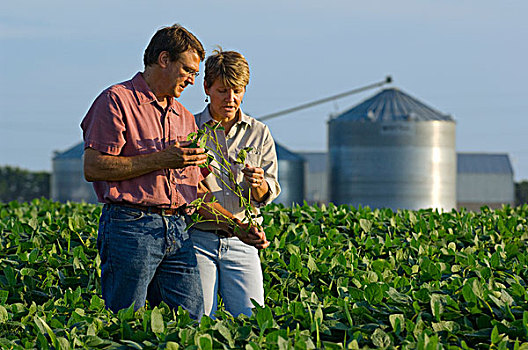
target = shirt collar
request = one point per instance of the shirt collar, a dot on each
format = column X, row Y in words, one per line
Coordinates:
column 205, row 117
column 143, row 92
column 245, row 118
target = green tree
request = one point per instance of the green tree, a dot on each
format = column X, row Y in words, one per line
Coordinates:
column 23, row 185
column 521, row 192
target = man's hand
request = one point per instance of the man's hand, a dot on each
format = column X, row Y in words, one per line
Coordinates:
column 178, row 156
column 253, row 235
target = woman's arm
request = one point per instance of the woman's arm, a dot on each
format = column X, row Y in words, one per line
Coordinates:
column 267, row 189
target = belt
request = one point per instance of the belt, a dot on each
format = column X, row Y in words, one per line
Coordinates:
column 156, row 210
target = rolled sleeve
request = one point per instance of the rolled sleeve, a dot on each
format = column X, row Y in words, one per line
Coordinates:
column 104, row 127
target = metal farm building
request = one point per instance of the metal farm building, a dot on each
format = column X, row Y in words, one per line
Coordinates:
column 291, row 176
column 392, row 151
column 315, row 177
column 67, row 178
column 484, row 179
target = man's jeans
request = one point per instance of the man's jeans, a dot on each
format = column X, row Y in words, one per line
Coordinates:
column 147, row 256
column 229, row 267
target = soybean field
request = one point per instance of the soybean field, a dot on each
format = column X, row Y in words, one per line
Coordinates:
column 335, row 277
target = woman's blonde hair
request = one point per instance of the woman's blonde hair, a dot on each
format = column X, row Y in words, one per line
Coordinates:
column 229, row 66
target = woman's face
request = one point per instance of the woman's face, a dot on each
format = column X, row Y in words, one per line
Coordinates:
column 225, row 101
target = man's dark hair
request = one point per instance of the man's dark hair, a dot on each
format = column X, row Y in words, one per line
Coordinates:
column 175, row 40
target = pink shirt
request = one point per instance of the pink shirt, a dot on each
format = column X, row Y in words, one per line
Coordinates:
column 126, row 120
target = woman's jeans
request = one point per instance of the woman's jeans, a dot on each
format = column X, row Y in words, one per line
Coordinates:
column 147, row 256
column 229, row 267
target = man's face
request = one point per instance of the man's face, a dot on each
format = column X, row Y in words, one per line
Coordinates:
column 225, row 101
column 182, row 72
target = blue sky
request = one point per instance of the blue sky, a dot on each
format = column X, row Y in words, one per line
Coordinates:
column 466, row 58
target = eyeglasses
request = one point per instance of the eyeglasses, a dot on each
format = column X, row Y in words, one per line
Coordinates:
column 190, row 72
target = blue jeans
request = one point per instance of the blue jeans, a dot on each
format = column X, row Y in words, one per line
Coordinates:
column 229, row 267
column 147, row 256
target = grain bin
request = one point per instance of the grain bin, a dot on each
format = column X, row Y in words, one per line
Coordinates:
column 392, row 151
column 67, row 178
column 291, row 177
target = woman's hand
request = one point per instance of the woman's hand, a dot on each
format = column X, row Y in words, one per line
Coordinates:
column 251, row 235
column 254, row 176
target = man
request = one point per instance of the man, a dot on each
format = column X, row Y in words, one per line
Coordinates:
column 134, row 138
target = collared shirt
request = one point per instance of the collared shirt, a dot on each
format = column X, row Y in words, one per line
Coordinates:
column 127, row 120
column 246, row 132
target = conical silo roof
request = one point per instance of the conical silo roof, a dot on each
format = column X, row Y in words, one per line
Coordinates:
column 392, row 105
column 285, row 154
column 73, row 152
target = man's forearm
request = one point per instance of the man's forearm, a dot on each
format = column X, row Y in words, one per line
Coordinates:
column 104, row 167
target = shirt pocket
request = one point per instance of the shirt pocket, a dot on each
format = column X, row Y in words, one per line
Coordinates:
column 253, row 157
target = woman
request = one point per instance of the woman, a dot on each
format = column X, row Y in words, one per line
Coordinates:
column 227, row 265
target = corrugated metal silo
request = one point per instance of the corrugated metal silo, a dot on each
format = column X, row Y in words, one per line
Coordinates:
column 291, row 176
column 67, row 178
column 392, row 151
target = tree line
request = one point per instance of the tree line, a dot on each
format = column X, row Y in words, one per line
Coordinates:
column 23, row 185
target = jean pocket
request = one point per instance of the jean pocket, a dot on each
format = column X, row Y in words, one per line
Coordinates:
column 126, row 214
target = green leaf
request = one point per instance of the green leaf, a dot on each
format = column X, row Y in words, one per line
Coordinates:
column 226, row 333
column 242, row 155
column 4, row 316
column 205, row 342
column 252, row 346
column 477, row 288
column 264, row 317
column 126, row 314
column 96, row 303
column 4, row 294
column 373, row 294
column 64, row 344
column 191, row 136
column 495, row 338
column 468, row 293
column 365, row 224
column 156, row 321
column 44, row 328
column 318, row 317
column 172, row 346
column 449, row 326
column 397, row 322
column 380, row 339
column 312, row 266
column 429, row 270
column 9, row 273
